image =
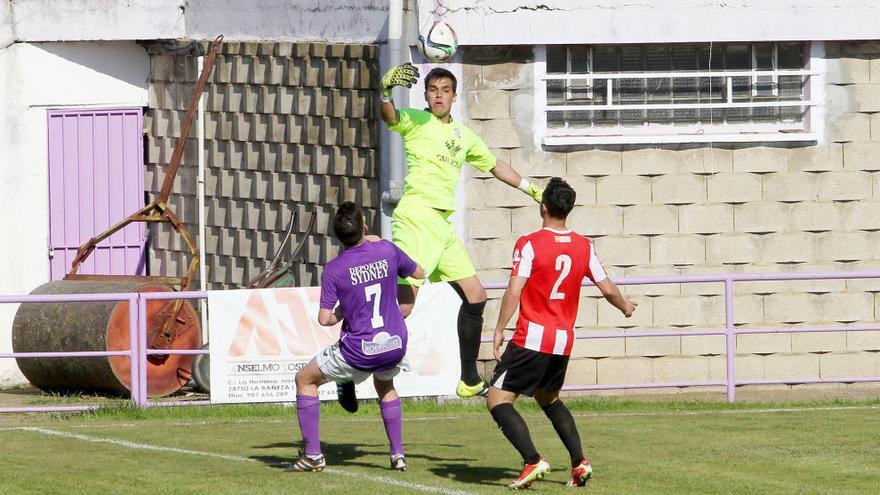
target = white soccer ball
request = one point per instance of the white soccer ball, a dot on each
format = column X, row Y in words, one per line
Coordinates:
column 437, row 41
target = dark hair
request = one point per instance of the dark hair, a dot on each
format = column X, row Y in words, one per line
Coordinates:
column 437, row 73
column 348, row 224
column 558, row 198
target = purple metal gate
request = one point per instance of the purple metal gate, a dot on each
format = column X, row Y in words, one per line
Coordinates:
column 96, row 179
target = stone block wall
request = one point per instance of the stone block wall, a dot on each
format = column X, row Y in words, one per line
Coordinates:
column 288, row 127
column 696, row 209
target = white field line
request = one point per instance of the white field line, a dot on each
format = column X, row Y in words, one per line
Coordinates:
column 292, row 420
column 142, row 446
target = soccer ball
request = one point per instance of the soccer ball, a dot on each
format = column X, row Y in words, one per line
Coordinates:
column 437, row 41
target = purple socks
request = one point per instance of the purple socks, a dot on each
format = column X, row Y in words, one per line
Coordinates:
column 391, row 416
column 308, row 413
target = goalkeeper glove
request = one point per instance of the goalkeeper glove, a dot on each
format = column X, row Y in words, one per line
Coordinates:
column 531, row 189
column 402, row 75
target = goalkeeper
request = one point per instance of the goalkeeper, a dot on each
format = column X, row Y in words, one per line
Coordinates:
column 436, row 148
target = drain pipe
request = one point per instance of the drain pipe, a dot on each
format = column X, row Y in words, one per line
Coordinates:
column 200, row 128
column 395, row 164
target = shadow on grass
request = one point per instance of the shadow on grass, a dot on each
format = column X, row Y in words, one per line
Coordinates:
column 410, row 454
column 337, row 454
column 280, row 445
column 347, row 454
column 477, row 475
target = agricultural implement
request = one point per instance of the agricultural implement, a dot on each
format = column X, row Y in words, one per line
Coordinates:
column 171, row 324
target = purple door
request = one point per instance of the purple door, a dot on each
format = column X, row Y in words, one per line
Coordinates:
column 96, row 179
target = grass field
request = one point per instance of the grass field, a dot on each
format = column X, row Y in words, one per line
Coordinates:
column 635, row 447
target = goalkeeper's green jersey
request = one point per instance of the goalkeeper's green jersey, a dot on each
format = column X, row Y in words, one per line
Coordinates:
column 435, row 153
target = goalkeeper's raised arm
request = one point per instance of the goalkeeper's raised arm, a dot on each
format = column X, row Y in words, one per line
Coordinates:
column 404, row 75
column 506, row 174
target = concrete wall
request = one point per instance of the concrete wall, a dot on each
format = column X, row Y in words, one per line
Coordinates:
column 289, row 127
column 340, row 21
column 7, row 34
column 477, row 22
column 74, row 20
column 693, row 209
column 526, row 22
column 31, row 81
column 85, row 20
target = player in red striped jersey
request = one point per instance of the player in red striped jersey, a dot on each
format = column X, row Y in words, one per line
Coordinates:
column 548, row 267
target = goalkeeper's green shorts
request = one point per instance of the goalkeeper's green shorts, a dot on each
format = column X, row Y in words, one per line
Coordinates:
column 427, row 236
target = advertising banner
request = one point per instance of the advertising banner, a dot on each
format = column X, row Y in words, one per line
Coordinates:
column 260, row 338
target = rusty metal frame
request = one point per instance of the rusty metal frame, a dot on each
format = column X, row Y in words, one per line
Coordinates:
column 275, row 272
column 159, row 211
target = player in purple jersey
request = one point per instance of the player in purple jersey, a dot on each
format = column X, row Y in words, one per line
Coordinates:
column 363, row 279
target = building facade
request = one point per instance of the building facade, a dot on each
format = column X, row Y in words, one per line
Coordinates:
column 687, row 161
column 701, row 136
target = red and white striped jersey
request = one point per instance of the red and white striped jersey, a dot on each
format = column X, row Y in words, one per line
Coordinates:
column 555, row 264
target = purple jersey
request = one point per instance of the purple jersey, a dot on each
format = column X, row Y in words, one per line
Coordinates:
column 364, row 281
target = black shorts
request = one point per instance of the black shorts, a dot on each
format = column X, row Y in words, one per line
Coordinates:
column 524, row 371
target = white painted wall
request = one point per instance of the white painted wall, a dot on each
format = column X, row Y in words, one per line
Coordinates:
column 362, row 21
column 6, row 33
column 478, row 22
column 275, row 20
column 528, row 22
column 85, row 20
column 33, row 78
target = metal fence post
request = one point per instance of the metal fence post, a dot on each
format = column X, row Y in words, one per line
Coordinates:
column 142, row 350
column 730, row 337
column 134, row 349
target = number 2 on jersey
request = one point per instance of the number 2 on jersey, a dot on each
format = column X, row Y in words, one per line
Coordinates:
column 563, row 266
column 374, row 292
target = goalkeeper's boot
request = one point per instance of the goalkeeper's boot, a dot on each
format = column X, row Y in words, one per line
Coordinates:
column 398, row 462
column 479, row 389
column 346, row 397
column 307, row 462
column 580, row 474
column 530, row 473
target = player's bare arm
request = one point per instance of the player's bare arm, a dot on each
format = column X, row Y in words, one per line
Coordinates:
column 329, row 317
column 612, row 295
column 404, row 75
column 509, row 303
column 419, row 273
column 506, row 174
column 389, row 113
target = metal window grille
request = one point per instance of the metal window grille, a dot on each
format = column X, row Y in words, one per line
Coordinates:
column 598, row 94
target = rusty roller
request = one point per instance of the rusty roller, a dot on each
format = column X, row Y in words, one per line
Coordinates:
column 98, row 326
column 89, row 326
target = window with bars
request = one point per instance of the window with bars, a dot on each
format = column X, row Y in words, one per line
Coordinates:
column 683, row 92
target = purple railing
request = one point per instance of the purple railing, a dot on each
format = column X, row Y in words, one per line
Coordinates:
column 144, row 352
column 137, row 324
column 138, row 334
column 55, row 298
column 729, row 331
